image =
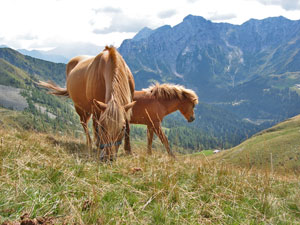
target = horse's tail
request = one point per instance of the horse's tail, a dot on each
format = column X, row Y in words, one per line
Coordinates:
column 56, row 89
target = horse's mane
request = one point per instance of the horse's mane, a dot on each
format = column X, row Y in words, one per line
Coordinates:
column 120, row 82
column 121, row 92
column 112, row 115
column 171, row 91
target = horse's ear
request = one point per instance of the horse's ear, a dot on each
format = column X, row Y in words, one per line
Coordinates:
column 100, row 105
column 129, row 106
column 195, row 101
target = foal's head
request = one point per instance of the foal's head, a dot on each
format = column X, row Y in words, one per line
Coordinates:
column 188, row 102
column 111, row 127
column 187, row 110
column 187, row 98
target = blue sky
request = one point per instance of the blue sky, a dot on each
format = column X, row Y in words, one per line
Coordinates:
column 46, row 24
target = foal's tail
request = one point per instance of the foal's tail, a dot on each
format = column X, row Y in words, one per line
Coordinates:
column 56, row 90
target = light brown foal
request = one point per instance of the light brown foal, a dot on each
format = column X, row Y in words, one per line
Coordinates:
column 159, row 100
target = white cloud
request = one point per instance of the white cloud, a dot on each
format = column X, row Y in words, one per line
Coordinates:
column 108, row 9
column 285, row 4
column 48, row 23
column 167, row 13
column 123, row 23
column 221, row 17
column 27, row 36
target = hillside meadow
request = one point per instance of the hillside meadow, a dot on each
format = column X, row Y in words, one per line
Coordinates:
column 53, row 178
column 275, row 149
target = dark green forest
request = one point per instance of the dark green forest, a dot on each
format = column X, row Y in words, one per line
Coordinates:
column 63, row 117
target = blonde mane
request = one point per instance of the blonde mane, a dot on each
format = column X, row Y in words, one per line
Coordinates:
column 171, row 91
column 113, row 114
column 112, row 120
column 120, row 82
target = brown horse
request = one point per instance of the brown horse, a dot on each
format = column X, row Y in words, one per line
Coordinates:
column 103, row 86
column 157, row 101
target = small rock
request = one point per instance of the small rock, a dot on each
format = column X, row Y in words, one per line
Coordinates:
column 136, row 169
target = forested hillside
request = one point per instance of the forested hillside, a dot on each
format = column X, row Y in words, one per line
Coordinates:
column 35, row 68
column 45, row 112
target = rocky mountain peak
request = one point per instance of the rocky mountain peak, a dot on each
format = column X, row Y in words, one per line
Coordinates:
column 144, row 33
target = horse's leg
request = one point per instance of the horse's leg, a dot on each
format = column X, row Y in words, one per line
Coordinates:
column 127, row 146
column 84, row 117
column 159, row 132
column 150, row 138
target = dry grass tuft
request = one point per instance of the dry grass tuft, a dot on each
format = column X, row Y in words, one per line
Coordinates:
column 55, row 177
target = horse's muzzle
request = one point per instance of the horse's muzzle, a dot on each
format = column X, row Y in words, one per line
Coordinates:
column 191, row 119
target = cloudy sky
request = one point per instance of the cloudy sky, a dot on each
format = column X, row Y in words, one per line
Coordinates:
column 45, row 24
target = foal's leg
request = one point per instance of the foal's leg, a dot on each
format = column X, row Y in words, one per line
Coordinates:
column 159, row 132
column 84, row 117
column 150, row 138
column 127, row 146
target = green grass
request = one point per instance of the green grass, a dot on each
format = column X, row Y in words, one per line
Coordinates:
column 40, row 122
column 285, row 80
column 204, row 152
column 54, row 176
column 276, row 149
column 35, row 68
column 11, row 75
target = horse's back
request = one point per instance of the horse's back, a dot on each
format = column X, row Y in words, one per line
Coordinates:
column 145, row 109
column 90, row 78
column 75, row 61
column 85, row 79
column 76, row 81
column 95, row 78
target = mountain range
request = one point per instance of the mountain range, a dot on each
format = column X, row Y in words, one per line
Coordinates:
column 62, row 53
column 252, row 69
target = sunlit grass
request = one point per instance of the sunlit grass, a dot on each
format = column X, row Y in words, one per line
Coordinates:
column 275, row 149
column 54, row 176
column 204, row 153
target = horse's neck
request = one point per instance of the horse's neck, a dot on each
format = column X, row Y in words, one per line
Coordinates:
column 108, row 87
column 171, row 105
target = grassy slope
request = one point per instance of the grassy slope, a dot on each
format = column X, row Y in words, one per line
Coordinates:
column 35, row 67
column 11, row 75
column 53, row 176
column 279, row 144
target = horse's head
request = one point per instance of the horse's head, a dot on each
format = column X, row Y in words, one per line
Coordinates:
column 111, row 127
column 187, row 109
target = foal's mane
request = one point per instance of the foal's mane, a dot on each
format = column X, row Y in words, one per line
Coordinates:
column 171, row 91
